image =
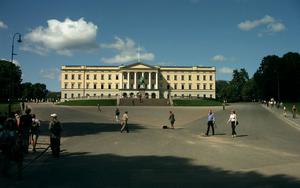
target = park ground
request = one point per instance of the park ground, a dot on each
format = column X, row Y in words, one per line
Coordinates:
column 266, row 152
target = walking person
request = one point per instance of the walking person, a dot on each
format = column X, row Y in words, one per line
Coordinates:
column 99, row 108
column 172, row 119
column 284, row 111
column 124, row 123
column 35, row 131
column 210, row 122
column 117, row 115
column 233, row 121
column 24, row 128
column 55, row 134
column 294, row 111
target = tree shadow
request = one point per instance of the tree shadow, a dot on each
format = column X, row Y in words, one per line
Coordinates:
column 108, row 170
column 87, row 128
column 242, row 135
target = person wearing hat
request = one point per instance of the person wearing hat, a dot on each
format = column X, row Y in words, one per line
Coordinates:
column 55, row 134
column 125, row 122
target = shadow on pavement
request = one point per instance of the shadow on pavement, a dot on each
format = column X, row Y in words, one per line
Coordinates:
column 108, row 170
column 242, row 135
column 87, row 128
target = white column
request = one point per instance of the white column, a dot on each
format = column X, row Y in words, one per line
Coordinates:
column 134, row 84
column 121, row 80
column 156, row 81
column 149, row 84
column 128, row 79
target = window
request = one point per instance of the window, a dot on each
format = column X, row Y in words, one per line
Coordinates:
column 175, row 86
column 204, row 86
column 210, row 96
column 210, row 77
column 198, row 86
column 204, row 96
column 131, row 76
column 190, row 77
column 125, row 86
column 175, row 95
column 87, row 76
column 125, row 76
column 95, row 86
column 102, row 86
column 66, row 85
column 198, row 77
column 168, row 86
column 94, row 94
column 182, row 95
column 79, row 76
column 109, row 86
column 109, row 95
column 102, row 77
column 182, row 86
column 117, row 86
column 79, row 85
column 72, row 76
column 66, row 76
column 109, row 77
column 65, row 95
column 78, row 95
column 204, row 77
column 190, row 86
column 72, row 86
column 87, row 85
column 175, row 77
column 95, row 76
column 182, row 77
column 72, row 95
column 210, row 86
column 117, row 77
column 168, row 77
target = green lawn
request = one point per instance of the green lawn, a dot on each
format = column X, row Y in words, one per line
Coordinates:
column 102, row 102
column 196, row 102
column 289, row 106
column 4, row 107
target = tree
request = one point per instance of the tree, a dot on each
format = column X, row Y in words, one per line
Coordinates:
column 279, row 78
column 34, row 91
column 10, row 80
column 221, row 89
column 234, row 90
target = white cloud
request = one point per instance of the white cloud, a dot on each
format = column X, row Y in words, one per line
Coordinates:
column 127, row 52
column 271, row 25
column 225, row 70
column 51, row 73
column 64, row 37
column 218, row 58
column 276, row 27
column 3, row 25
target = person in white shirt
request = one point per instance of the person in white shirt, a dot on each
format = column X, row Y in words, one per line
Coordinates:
column 124, row 122
column 34, row 131
column 234, row 122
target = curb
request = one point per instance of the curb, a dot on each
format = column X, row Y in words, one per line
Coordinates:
column 289, row 122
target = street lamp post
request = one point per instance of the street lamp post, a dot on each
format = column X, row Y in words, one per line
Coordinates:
column 11, row 80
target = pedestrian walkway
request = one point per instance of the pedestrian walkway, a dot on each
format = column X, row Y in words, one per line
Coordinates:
column 293, row 122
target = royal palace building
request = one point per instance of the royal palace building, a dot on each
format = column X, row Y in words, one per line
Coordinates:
column 137, row 79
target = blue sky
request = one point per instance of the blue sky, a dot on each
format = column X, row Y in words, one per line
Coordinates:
column 228, row 34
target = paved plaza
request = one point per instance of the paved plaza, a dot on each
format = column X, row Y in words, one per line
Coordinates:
column 265, row 153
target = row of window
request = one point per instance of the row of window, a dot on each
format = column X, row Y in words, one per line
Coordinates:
column 88, row 77
column 190, row 77
column 109, row 86
column 132, row 77
column 109, row 95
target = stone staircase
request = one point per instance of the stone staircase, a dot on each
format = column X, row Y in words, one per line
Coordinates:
column 145, row 102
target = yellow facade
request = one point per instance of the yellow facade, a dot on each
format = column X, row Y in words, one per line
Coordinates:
column 126, row 81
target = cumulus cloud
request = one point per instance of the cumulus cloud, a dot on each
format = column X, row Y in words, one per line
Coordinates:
column 126, row 52
column 225, row 70
column 218, row 58
column 51, row 73
column 3, row 25
column 270, row 24
column 63, row 37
